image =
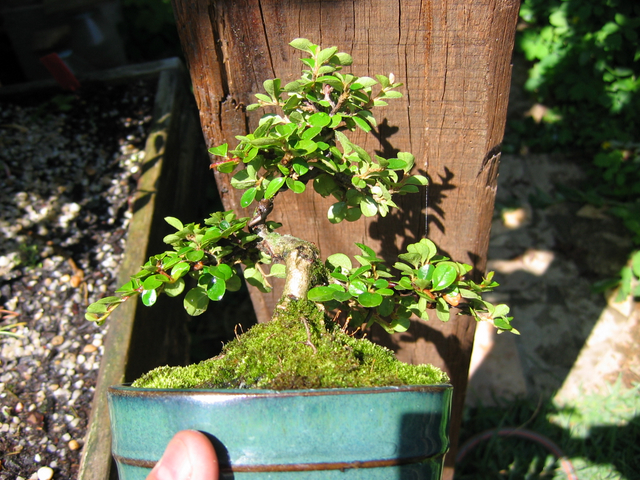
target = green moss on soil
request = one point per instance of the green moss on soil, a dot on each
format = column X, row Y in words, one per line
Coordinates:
column 297, row 349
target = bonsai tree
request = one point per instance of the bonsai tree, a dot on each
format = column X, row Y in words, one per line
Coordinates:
column 315, row 337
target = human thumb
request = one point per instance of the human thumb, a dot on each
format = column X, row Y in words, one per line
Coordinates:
column 189, row 456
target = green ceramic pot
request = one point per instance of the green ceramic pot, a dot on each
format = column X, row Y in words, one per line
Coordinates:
column 390, row 433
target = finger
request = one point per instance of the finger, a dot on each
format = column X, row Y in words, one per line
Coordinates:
column 189, row 456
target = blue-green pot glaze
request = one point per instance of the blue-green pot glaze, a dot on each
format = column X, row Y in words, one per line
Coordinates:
column 390, row 433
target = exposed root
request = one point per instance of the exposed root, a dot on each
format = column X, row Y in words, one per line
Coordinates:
column 308, row 342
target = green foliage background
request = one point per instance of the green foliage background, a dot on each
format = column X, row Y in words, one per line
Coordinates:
column 585, row 66
column 584, row 60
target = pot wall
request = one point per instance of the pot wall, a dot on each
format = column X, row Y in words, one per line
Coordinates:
column 391, row 433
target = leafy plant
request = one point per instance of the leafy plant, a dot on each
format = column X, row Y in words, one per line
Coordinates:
column 585, row 69
column 306, row 144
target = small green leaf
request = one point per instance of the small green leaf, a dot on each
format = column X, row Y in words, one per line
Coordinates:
column 226, row 167
column 220, row 151
column 397, row 164
column 425, row 248
column 392, row 94
column 362, row 123
column 222, row 271
column 325, row 185
column 273, row 187
column 340, row 260
column 320, row 119
column 309, row 146
column 151, row 283
column 263, row 98
column 341, row 277
column 386, row 307
column 403, row 267
column 149, row 297
column 416, row 180
column 337, row 212
column 635, row 263
column 311, row 132
column 110, row 300
column 385, row 292
column 442, row 310
column 381, row 283
column 196, row 301
column 234, row 283
column 194, row 255
column 401, row 324
column 254, row 277
column 278, row 270
column 443, row 276
column 353, row 214
column 366, row 81
column 272, row 87
column 326, row 54
column 341, row 296
column 344, row 59
column 97, row 308
column 368, row 299
column 216, row 288
column 369, row 207
column 171, row 239
column 405, row 283
column 321, row 294
column 357, row 287
column 300, row 166
column 179, row 270
column 174, row 222
column 366, row 250
column 295, row 186
column 360, row 270
column 173, row 289
column 408, row 158
column 426, row 272
column 243, row 179
column 302, row 44
column 248, row 197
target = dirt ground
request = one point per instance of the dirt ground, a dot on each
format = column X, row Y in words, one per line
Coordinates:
column 547, row 254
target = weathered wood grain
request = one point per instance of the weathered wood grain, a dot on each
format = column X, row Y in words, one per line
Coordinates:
column 454, row 59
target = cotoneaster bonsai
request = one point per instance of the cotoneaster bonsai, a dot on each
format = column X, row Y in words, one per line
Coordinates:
column 315, row 338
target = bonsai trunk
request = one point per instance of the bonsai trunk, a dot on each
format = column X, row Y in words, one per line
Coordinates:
column 301, row 259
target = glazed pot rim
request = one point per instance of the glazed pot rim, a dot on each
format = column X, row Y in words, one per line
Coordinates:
column 125, row 389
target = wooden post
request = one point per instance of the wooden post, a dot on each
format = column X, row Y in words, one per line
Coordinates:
column 454, row 59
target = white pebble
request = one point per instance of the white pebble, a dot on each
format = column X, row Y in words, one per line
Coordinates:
column 45, row 473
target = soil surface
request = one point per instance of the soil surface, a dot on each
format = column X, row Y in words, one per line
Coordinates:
column 69, row 167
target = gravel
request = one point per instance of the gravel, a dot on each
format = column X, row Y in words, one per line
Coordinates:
column 68, row 170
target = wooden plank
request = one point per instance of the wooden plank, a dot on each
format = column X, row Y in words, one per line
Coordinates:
column 138, row 339
column 454, row 58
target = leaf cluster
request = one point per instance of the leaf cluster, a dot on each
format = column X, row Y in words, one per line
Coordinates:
column 371, row 293
column 208, row 254
column 306, row 142
column 585, row 68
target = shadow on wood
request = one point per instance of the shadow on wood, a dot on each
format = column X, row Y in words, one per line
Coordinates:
column 454, row 59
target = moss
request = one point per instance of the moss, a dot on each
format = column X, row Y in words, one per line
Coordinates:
column 297, row 349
